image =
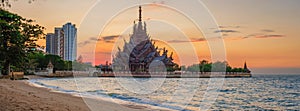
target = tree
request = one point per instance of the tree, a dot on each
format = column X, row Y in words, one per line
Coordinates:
column 17, row 36
column 40, row 60
column 183, row 68
column 68, row 65
column 207, row 67
column 219, row 66
column 228, row 68
column 32, row 62
column 194, row 68
column 57, row 62
column 201, row 65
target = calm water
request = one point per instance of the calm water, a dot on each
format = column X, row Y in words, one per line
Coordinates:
column 263, row 92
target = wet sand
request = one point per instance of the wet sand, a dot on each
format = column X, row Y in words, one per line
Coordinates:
column 22, row 96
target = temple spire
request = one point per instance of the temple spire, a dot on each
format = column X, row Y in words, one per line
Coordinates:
column 140, row 13
column 245, row 65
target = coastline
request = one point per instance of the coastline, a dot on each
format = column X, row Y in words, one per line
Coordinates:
column 188, row 75
column 22, row 95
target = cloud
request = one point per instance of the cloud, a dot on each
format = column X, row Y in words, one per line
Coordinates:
column 229, row 26
column 91, row 40
column 255, row 36
column 106, row 39
column 84, row 43
column 267, row 30
column 226, row 27
column 94, row 38
column 226, row 31
column 198, row 39
column 112, row 37
column 251, row 35
column 269, row 36
column 109, row 39
column 184, row 41
column 177, row 41
column 263, row 36
column 233, row 33
column 224, row 35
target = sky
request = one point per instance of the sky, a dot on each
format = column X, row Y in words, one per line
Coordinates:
column 262, row 32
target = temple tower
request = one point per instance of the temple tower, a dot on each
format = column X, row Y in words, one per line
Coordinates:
column 246, row 68
column 140, row 51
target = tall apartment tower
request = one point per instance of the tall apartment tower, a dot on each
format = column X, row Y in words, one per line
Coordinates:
column 70, row 41
column 59, row 33
column 63, row 42
column 51, row 43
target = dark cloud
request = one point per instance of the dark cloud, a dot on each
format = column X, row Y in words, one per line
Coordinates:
column 111, row 41
column 226, row 31
column 198, row 39
column 224, row 35
column 263, row 36
column 94, row 38
column 108, row 39
column 269, row 36
column 267, row 30
column 177, row 41
column 257, row 36
column 251, row 35
column 184, row 41
column 229, row 26
column 84, row 43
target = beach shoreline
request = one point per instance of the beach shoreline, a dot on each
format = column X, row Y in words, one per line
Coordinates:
column 23, row 95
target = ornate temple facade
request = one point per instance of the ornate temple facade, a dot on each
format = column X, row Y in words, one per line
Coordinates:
column 140, row 53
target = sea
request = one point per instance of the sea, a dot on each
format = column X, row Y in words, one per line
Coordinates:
column 260, row 92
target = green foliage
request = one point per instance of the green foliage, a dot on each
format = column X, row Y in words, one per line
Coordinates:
column 183, row 68
column 194, row 68
column 33, row 60
column 219, row 66
column 17, row 36
column 56, row 61
column 40, row 61
column 238, row 70
column 173, row 68
column 205, row 66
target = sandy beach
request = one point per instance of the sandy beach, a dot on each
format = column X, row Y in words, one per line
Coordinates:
column 21, row 95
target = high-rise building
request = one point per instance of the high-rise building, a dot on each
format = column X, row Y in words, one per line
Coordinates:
column 59, row 33
column 63, row 42
column 70, row 41
column 51, row 43
column 48, row 42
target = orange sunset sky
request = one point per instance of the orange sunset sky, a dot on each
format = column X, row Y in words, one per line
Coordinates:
column 263, row 33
